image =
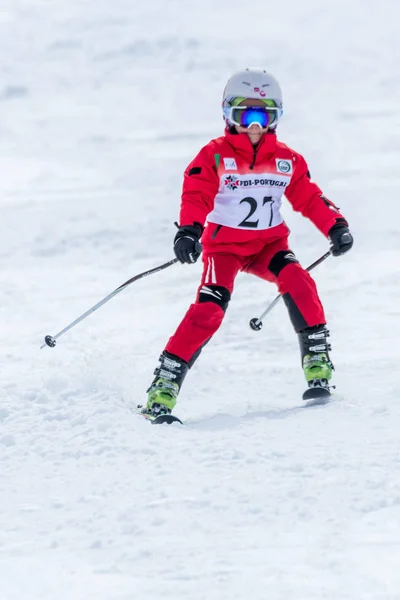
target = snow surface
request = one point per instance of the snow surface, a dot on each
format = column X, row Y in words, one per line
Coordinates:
column 102, row 105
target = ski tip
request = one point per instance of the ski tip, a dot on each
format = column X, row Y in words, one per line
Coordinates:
column 165, row 419
column 316, row 392
column 316, row 396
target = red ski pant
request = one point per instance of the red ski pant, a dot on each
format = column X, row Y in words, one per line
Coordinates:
column 275, row 263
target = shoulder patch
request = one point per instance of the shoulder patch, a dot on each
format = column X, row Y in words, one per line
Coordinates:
column 195, row 171
column 284, row 166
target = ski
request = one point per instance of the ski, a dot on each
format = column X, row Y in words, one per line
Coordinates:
column 316, row 396
column 160, row 419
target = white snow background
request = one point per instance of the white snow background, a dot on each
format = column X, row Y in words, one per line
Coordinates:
column 102, row 105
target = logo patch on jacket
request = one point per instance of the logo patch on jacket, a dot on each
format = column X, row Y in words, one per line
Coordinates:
column 230, row 164
column 284, row 166
column 232, row 182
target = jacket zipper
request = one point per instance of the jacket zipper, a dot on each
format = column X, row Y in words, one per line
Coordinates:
column 254, row 158
column 215, row 232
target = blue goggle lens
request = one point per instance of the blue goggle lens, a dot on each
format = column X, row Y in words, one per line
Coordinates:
column 259, row 115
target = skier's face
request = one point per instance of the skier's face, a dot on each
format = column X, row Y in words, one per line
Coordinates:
column 255, row 132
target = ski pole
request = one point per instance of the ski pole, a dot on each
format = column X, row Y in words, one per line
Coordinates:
column 256, row 324
column 50, row 340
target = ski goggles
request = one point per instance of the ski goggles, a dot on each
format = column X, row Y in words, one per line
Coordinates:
column 245, row 116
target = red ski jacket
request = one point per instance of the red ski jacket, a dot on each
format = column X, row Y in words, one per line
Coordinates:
column 238, row 189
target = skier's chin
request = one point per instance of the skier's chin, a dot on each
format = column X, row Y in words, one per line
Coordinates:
column 255, row 133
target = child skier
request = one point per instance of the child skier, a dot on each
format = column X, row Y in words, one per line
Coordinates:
column 236, row 183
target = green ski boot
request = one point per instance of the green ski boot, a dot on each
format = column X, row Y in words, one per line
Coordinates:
column 164, row 390
column 162, row 397
column 317, row 366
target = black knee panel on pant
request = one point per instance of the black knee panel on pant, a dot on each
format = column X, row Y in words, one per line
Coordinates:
column 297, row 319
column 280, row 260
column 215, row 293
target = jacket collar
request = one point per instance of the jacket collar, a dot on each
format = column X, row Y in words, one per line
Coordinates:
column 240, row 142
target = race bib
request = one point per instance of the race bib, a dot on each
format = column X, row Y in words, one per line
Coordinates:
column 249, row 201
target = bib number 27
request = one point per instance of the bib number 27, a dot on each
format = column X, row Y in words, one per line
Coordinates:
column 253, row 204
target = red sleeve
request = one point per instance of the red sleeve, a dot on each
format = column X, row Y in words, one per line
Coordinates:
column 200, row 186
column 307, row 198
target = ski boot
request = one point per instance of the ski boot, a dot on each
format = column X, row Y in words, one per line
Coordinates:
column 164, row 390
column 316, row 363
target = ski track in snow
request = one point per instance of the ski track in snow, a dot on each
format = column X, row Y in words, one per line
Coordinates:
column 255, row 496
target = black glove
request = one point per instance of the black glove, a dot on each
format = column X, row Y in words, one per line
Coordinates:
column 187, row 247
column 340, row 238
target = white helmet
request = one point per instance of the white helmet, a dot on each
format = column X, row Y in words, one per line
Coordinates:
column 252, row 83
